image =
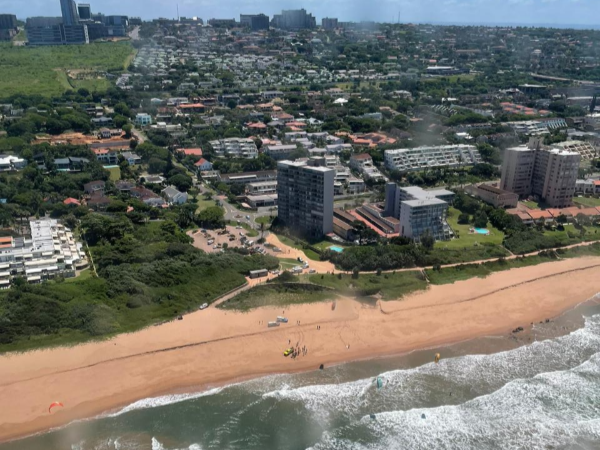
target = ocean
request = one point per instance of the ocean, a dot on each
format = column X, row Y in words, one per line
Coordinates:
column 538, row 389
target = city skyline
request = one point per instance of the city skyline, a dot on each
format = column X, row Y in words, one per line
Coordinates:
column 576, row 13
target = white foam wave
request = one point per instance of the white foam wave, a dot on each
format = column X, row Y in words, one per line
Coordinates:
column 471, row 375
column 550, row 410
column 156, row 445
column 164, row 400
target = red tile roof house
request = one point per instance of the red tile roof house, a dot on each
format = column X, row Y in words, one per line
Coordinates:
column 72, row 201
column 203, row 165
column 196, row 152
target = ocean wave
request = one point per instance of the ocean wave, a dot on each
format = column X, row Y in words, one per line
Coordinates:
column 165, row 400
column 550, row 410
column 459, row 379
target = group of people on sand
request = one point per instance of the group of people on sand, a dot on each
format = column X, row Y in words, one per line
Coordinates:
column 298, row 351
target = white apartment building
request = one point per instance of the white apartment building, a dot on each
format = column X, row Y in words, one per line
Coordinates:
column 419, row 211
column 584, row 148
column 262, row 188
column 548, row 173
column 235, row 147
column 305, row 197
column 420, row 158
column 50, row 252
column 363, row 164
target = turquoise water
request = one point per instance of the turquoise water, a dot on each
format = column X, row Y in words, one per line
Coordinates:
column 484, row 231
column 110, row 167
column 335, row 248
column 535, row 390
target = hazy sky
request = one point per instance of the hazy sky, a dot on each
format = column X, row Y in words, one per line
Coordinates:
column 576, row 12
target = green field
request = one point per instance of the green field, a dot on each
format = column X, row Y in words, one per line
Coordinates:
column 203, row 203
column 531, row 204
column 288, row 263
column 43, row 70
column 587, row 202
column 115, row 173
column 388, row 286
column 310, row 254
column 467, row 239
column 275, row 294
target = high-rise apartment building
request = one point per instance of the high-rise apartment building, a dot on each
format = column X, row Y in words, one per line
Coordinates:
column 517, row 170
column 419, row 211
column 256, row 22
column 548, row 173
column 329, row 23
column 57, row 31
column 8, row 26
column 305, row 197
column 294, row 19
column 85, row 11
column 68, row 9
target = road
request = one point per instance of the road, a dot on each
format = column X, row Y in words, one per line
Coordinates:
column 135, row 34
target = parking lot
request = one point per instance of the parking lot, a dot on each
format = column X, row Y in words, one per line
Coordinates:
column 213, row 241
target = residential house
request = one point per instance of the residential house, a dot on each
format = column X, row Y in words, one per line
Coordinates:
column 203, row 165
column 94, row 187
column 104, row 133
column 173, row 196
column 143, row 119
column 132, row 158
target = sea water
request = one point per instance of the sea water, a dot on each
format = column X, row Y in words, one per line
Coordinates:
column 532, row 390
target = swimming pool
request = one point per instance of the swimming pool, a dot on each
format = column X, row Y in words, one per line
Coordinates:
column 483, row 231
column 335, row 248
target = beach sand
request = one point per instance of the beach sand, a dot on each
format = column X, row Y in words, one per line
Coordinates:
column 213, row 347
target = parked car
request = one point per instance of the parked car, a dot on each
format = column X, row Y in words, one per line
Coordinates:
column 203, row 306
column 312, row 271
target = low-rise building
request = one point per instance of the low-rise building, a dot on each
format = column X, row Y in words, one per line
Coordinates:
column 143, row 119
column 51, row 251
column 203, row 165
column 420, row 158
column 173, row 196
column 235, row 147
column 499, row 198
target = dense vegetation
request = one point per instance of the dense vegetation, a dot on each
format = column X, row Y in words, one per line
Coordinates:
column 147, row 273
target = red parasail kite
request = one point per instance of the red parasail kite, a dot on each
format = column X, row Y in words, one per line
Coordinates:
column 53, row 405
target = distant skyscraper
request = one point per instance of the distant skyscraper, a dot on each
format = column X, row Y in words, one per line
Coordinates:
column 294, row 19
column 69, row 12
column 255, row 22
column 329, row 23
column 85, row 11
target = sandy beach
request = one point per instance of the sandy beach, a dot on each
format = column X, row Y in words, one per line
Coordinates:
column 213, row 347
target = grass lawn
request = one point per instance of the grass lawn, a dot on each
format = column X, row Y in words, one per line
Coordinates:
column 469, row 246
column 310, row 254
column 115, row 173
column 84, row 275
column 274, row 294
column 42, row 70
column 587, row 202
column 203, row 204
column 389, row 286
column 531, row 204
column 288, row 263
column 265, row 219
column 467, row 239
column 463, row 272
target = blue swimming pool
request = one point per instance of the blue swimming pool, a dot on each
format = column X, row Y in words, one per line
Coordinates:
column 483, row 231
column 335, row 248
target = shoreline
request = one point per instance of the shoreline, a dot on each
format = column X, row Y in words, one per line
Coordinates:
column 213, row 348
